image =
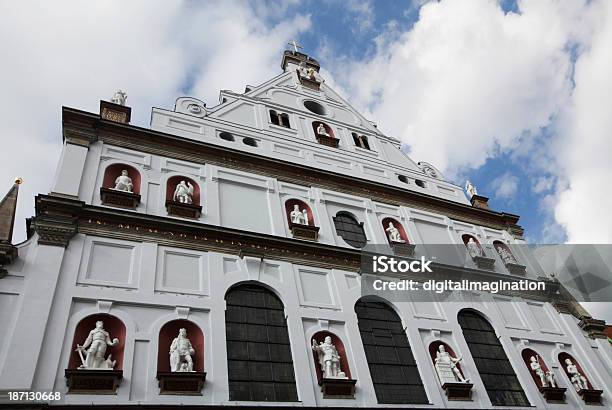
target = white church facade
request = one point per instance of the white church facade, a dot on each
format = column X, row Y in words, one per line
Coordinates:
column 215, row 259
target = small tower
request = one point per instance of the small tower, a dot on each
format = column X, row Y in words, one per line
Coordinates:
column 8, row 209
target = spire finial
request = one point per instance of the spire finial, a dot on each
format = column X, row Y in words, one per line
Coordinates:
column 18, row 181
column 295, row 45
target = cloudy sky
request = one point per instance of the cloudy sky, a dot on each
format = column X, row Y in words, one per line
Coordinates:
column 514, row 95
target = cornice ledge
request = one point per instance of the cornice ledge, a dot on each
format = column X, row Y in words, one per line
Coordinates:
column 56, row 219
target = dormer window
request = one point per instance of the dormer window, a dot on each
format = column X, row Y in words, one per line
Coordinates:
column 280, row 119
column 361, row 141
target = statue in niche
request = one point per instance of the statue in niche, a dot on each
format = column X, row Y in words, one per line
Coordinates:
column 183, row 193
column 446, row 367
column 578, row 380
column 321, row 130
column 124, row 182
column 119, row 98
column 299, row 217
column 181, row 351
column 394, row 234
column 474, row 248
column 95, row 348
column 329, row 359
column 505, row 254
column 547, row 379
column 303, row 70
column 470, row 188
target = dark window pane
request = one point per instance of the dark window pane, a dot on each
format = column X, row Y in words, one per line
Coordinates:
column 493, row 365
column 350, row 230
column 392, row 367
column 260, row 366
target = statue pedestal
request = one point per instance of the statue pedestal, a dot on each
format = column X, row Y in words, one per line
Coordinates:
column 308, row 83
column 403, row 249
column 338, row 388
column 328, row 141
column 181, row 383
column 308, row 232
column 483, row 262
column 458, row 391
column 516, row 269
column 553, row 394
column 122, row 199
column 183, row 210
column 115, row 112
column 590, row 396
column 81, row 381
column 479, row 201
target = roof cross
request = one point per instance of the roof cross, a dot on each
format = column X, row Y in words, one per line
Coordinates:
column 295, row 45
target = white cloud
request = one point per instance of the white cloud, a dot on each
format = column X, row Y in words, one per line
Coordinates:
column 504, row 186
column 585, row 198
column 75, row 53
column 468, row 82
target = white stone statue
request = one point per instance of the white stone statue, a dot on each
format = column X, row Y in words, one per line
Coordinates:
column 299, row 217
column 95, row 349
column 446, row 367
column 303, row 70
column 474, row 248
column 183, row 193
column 505, row 254
column 321, row 130
column 394, row 234
column 329, row 359
column 124, row 182
column 181, row 351
column 119, row 98
column 578, row 380
column 547, row 379
column 470, row 188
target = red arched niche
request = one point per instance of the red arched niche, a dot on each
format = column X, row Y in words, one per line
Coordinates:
column 113, row 171
column 562, row 357
column 329, row 129
column 527, row 354
column 398, row 225
column 115, row 328
column 167, row 334
column 433, row 349
column 466, row 238
column 500, row 245
column 302, row 205
column 174, row 181
column 320, row 337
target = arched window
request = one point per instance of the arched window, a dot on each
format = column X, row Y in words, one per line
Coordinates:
column 280, row 119
column 259, row 361
column 121, row 186
column 392, row 366
column 178, row 199
column 493, row 365
column 361, row 141
column 349, row 229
